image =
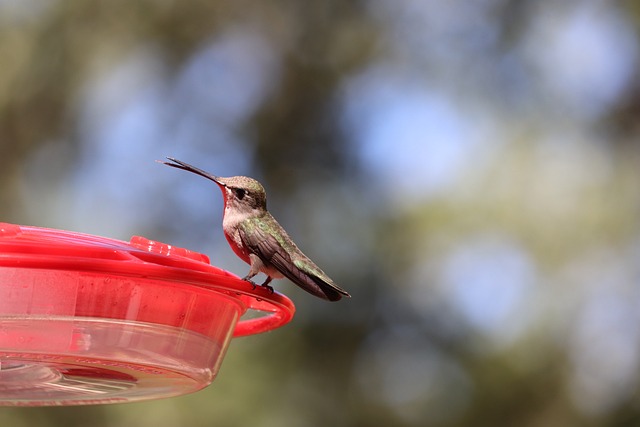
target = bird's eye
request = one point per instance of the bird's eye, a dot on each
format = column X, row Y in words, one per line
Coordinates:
column 240, row 193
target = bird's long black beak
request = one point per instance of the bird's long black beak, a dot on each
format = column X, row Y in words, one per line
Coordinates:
column 175, row 163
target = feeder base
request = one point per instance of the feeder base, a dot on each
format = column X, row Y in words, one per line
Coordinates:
column 104, row 361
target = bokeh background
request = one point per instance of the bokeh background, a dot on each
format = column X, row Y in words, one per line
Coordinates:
column 469, row 171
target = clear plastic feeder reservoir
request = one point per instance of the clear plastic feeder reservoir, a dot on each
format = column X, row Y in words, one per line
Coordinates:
column 86, row 319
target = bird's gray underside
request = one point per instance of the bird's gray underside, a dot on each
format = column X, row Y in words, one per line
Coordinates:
column 267, row 248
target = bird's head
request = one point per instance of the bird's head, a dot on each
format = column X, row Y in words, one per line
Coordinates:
column 240, row 192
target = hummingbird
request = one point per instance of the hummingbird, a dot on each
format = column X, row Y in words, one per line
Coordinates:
column 259, row 240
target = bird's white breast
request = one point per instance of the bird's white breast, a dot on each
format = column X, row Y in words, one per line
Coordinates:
column 230, row 224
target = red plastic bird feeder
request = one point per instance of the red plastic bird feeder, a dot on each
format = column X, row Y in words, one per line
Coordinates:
column 86, row 319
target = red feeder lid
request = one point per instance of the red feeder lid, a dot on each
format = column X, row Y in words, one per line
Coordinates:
column 87, row 319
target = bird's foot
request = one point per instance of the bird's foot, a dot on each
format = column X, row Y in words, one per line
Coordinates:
column 267, row 287
column 248, row 279
column 265, row 284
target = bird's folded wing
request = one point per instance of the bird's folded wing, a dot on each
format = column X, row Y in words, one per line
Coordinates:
column 269, row 250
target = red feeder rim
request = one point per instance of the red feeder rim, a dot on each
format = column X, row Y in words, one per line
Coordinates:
column 88, row 319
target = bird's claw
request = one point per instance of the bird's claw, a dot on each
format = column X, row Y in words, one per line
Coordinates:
column 253, row 284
